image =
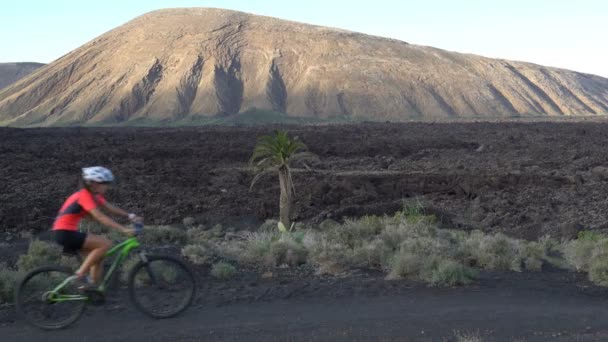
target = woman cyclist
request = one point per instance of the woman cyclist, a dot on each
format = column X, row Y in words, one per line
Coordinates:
column 89, row 202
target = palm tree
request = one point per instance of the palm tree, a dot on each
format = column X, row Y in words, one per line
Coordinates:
column 275, row 153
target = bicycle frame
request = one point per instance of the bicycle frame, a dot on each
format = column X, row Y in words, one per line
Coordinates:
column 121, row 250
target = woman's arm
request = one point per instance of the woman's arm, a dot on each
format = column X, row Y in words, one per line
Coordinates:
column 115, row 210
column 106, row 221
column 120, row 212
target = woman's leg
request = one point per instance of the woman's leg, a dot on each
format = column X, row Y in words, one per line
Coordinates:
column 95, row 247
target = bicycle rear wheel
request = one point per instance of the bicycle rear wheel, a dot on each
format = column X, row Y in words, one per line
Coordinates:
column 161, row 286
column 45, row 309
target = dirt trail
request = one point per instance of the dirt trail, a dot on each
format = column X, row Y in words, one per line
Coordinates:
column 554, row 306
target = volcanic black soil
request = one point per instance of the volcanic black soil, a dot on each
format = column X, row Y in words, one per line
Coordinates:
column 525, row 179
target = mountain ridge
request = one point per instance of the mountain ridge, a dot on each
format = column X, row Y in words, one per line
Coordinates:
column 176, row 64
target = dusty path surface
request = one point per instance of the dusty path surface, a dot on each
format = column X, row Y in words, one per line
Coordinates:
column 549, row 306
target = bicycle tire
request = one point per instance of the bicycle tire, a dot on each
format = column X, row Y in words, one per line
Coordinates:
column 152, row 279
column 35, row 280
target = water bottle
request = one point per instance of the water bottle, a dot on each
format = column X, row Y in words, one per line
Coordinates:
column 139, row 227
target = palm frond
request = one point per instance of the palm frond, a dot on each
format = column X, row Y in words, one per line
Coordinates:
column 305, row 156
column 273, row 152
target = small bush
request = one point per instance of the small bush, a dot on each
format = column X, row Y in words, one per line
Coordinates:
column 467, row 336
column 329, row 257
column 412, row 265
column 374, row 255
column 532, row 255
column 577, row 254
column 452, row 273
column 199, row 253
column 494, row 252
column 8, row 281
column 414, row 213
column 589, row 235
column 598, row 271
column 39, row 253
column 256, row 246
column 198, row 235
column 286, row 251
column 223, row 270
column 354, row 233
column 598, row 265
column 163, row 235
column 270, row 248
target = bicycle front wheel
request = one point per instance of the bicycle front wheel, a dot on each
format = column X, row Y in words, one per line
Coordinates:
column 161, row 286
column 40, row 305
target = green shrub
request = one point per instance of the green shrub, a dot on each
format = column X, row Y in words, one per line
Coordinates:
column 406, row 245
column 223, row 270
column 256, row 246
column 598, row 271
column 354, row 233
column 467, row 336
column 199, row 253
column 409, row 265
column 374, row 255
column 197, row 235
column 8, row 281
column 414, row 213
column 270, row 248
column 452, row 273
column 532, row 255
column 39, row 253
column 163, row 235
column 598, row 265
column 577, row 254
column 286, row 251
column 494, row 252
column 329, row 257
column 417, row 258
column 589, row 235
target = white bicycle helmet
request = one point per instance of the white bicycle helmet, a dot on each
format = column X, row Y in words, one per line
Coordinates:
column 97, row 174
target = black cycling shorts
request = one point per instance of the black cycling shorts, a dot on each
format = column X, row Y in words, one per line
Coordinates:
column 71, row 240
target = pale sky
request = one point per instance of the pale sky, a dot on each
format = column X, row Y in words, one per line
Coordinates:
column 559, row 33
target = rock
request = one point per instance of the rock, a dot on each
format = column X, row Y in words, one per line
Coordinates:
column 490, row 220
column 189, row 221
column 570, row 230
column 599, row 173
column 578, row 179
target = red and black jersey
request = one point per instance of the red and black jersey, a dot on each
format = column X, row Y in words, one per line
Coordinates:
column 77, row 206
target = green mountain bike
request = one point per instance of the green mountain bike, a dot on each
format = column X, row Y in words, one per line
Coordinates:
column 160, row 286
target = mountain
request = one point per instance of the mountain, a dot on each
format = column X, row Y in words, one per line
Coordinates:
column 190, row 65
column 12, row 72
